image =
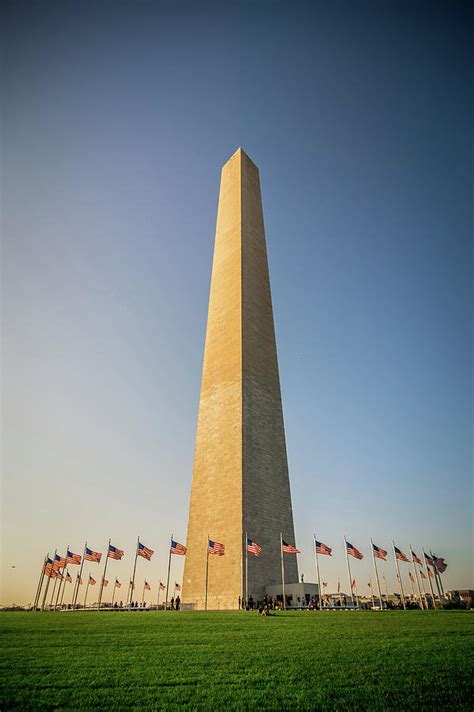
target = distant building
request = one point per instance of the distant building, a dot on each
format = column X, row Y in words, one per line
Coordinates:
column 297, row 595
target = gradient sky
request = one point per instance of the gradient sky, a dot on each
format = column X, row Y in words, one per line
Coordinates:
column 117, row 119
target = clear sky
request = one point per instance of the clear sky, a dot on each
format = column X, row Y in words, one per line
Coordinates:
column 117, row 118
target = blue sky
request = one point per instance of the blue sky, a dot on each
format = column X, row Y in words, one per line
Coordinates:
column 117, row 120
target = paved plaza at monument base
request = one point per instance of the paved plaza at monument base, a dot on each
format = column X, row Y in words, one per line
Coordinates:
column 291, row 660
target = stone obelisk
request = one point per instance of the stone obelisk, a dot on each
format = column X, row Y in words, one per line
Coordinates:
column 240, row 478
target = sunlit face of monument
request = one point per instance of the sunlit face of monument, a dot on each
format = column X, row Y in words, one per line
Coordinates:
column 240, row 478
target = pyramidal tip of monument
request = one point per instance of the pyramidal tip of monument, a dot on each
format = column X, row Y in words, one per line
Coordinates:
column 239, row 153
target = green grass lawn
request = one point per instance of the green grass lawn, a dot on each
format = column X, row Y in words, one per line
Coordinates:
column 292, row 660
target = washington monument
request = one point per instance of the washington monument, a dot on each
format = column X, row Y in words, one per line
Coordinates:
column 240, row 478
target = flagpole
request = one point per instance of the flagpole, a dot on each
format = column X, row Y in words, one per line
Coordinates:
column 356, row 594
column 429, row 579
column 87, row 588
column 439, row 585
column 438, row 575
column 349, row 572
column 282, row 571
column 411, row 586
column 54, row 588
column 158, row 599
column 246, row 569
column 40, row 583
column 60, row 582
column 316, row 560
column 386, row 588
column 113, row 592
column 168, row 578
column 416, row 577
column 207, row 572
column 103, row 576
column 399, row 576
column 143, row 593
column 132, row 584
column 76, row 585
column 371, row 592
column 64, row 588
column 376, row 574
column 47, row 584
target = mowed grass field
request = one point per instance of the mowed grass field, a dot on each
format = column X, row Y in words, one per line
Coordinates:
column 289, row 661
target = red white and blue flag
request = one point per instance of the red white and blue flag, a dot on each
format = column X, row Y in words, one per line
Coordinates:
column 379, row 553
column 105, row 583
column 253, row 547
column 92, row 555
column 68, row 578
column 177, row 586
column 177, row 548
column 144, row 551
column 400, row 555
column 117, row 583
column 288, row 548
column 147, row 586
column 322, row 548
column 352, row 551
column 79, row 580
column 439, row 563
column 59, row 562
column 162, row 586
column 92, row 581
column 114, row 553
column 415, row 558
column 429, row 560
column 73, row 558
column 216, row 548
column 422, row 575
column 48, row 568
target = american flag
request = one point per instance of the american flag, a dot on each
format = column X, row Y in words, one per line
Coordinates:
column 338, row 586
column 422, row 574
column 92, row 581
column 162, row 586
column 114, row 553
column 411, row 577
column 68, row 578
column 352, row 551
column 253, row 547
column 353, row 584
column 429, row 560
column 415, row 558
column 131, row 585
column 177, row 548
column 369, row 584
column 325, row 583
column 439, row 563
column 177, row 586
column 59, row 562
column 59, row 576
column 430, row 573
column 73, row 558
column 105, row 582
column 117, row 583
column 92, row 555
column 48, row 568
column 79, row 580
column 322, row 548
column 288, row 548
column 147, row 586
column 216, row 548
column 400, row 555
column 144, row 551
column 379, row 553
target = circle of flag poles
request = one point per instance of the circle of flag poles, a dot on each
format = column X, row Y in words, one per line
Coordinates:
column 425, row 569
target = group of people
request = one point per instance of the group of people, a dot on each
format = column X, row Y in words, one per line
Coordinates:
column 264, row 607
